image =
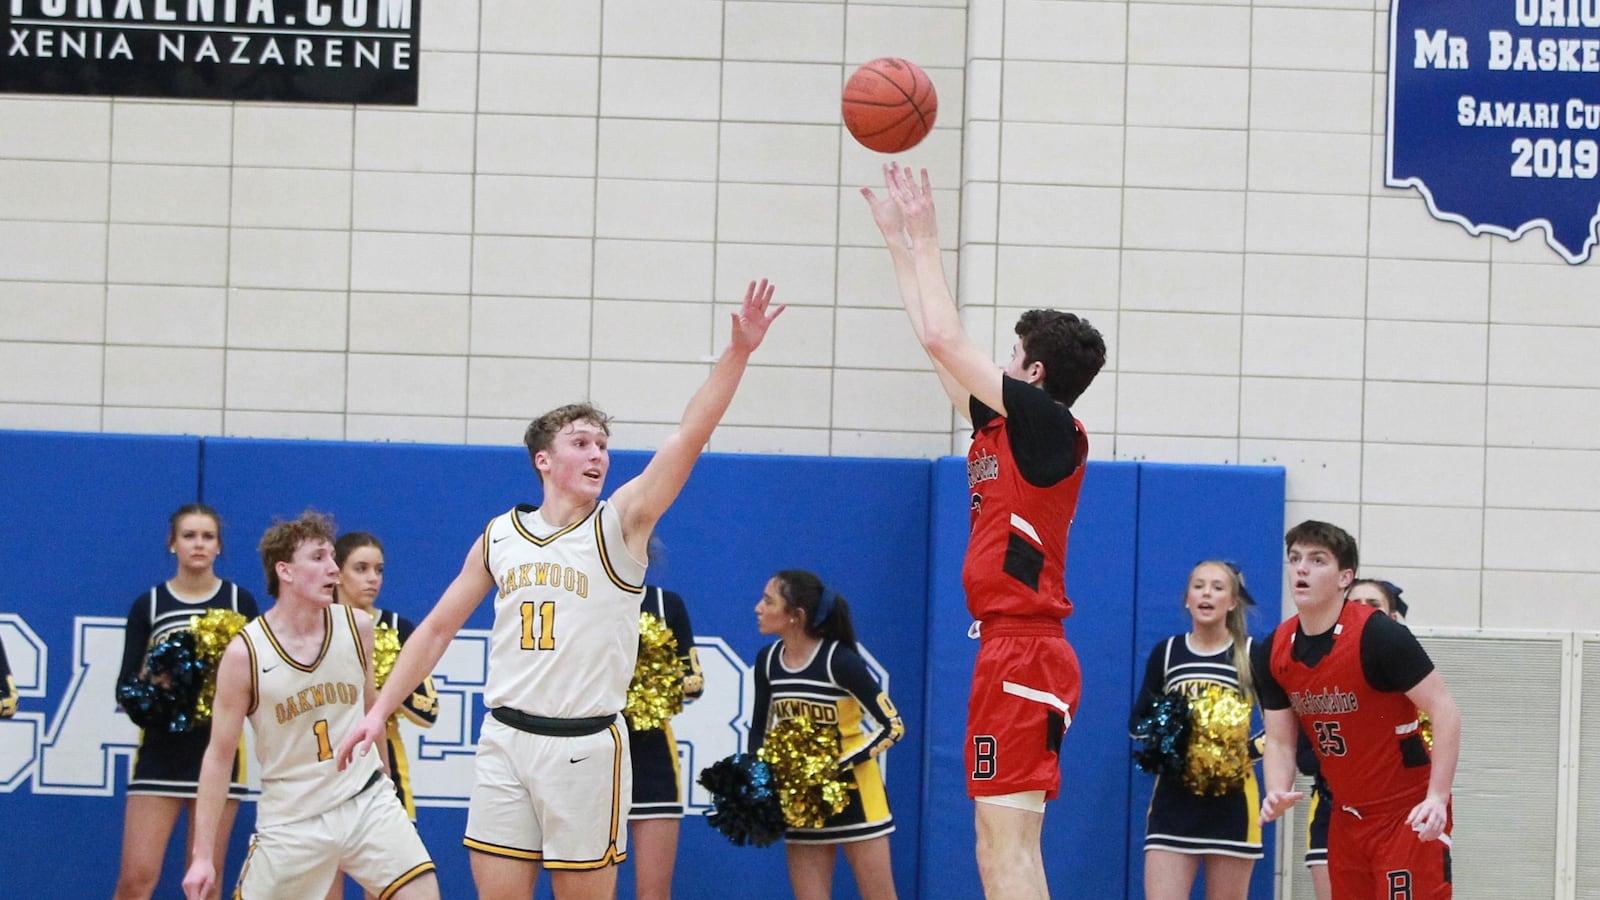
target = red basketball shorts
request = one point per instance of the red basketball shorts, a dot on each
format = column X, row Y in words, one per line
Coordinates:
column 1375, row 855
column 1025, row 690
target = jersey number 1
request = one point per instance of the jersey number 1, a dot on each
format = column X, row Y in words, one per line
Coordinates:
column 542, row 624
column 324, row 747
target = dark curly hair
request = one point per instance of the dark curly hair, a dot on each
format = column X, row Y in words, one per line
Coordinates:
column 1072, row 351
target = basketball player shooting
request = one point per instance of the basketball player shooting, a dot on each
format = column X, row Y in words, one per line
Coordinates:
column 1025, row 468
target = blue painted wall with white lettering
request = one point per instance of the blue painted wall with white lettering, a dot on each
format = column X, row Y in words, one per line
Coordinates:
column 82, row 532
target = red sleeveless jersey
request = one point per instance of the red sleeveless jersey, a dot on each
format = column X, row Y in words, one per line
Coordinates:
column 1017, row 555
column 1367, row 741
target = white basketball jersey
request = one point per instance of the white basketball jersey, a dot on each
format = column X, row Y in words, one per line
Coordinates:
column 300, row 712
column 566, row 617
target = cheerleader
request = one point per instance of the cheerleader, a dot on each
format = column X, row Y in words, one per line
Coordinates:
column 1193, row 817
column 359, row 556
column 8, row 687
column 166, row 770
column 815, row 672
column 1383, row 596
column 657, row 811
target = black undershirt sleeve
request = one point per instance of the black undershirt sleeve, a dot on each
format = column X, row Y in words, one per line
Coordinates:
column 1044, row 435
column 1268, row 690
column 1155, row 682
column 1391, row 658
column 421, row 706
column 677, row 613
column 1305, row 755
column 980, row 413
column 135, row 638
column 850, row 672
column 8, row 687
column 763, row 700
column 247, row 606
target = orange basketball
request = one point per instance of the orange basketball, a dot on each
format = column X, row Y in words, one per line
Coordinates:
column 889, row 105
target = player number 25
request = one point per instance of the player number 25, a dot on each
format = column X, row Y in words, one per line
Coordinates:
column 1329, row 741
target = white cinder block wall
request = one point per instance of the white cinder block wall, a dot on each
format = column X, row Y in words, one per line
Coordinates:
column 585, row 188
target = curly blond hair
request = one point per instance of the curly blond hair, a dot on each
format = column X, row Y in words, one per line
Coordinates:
column 283, row 538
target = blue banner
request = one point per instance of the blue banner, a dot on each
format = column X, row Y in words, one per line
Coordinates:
column 1494, row 115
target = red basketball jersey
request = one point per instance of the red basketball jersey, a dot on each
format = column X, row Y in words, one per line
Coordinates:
column 1017, row 555
column 1367, row 741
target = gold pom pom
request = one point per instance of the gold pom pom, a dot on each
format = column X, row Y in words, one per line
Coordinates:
column 656, row 694
column 804, row 758
column 1425, row 725
column 1219, row 739
column 212, row 632
column 385, row 650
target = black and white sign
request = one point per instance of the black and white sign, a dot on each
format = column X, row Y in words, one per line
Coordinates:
column 318, row 51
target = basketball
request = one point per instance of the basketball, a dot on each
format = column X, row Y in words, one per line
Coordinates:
column 889, row 105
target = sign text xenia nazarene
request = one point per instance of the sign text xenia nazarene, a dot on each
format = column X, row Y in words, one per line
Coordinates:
column 320, row 51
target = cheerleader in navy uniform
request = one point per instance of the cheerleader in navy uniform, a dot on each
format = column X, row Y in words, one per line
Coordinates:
column 166, row 770
column 8, row 687
column 657, row 811
column 816, row 672
column 1205, row 814
column 359, row 555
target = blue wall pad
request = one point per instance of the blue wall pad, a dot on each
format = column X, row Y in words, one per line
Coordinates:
column 1187, row 514
column 889, row 535
column 83, row 531
column 1100, row 582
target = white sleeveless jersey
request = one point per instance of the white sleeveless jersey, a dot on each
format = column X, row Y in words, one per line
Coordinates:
column 300, row 712
column 566, row 617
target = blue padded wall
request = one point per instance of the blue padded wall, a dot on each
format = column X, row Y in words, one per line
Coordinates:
column 947, row 836
column 82, row 533
column 1101, row 580
column 1187, row 514
column 1093, row 802
column 887, row 534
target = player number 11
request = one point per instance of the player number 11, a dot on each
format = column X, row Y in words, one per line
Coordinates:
column 542, row 624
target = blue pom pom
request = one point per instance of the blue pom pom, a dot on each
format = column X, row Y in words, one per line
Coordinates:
column 1164, row 731
column 165, row 695
column 744, row 800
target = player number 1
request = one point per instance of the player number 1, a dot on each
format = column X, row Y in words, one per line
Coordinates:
column 324, row 748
